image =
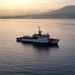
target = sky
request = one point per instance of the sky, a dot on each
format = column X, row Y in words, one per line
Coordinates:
column 20, row 7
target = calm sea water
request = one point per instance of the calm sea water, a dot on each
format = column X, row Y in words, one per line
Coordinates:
column 28, row 59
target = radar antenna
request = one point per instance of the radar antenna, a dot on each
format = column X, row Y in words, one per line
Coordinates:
column 39, row 31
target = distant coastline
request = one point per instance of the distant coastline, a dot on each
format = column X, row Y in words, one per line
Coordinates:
column 66, row 12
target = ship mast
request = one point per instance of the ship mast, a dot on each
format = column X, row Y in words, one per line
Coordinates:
column 39, row 31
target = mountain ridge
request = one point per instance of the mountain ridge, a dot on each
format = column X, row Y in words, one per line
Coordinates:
column 63, row 13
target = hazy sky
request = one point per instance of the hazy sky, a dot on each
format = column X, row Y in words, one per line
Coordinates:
column 18, row 7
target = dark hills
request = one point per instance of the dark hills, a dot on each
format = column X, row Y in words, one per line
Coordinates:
column 65, row 12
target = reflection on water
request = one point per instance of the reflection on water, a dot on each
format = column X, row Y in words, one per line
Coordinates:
column 41, row 48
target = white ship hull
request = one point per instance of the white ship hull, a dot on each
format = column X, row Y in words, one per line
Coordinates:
column 50, row 41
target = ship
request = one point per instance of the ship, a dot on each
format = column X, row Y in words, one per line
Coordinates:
column 38, row 38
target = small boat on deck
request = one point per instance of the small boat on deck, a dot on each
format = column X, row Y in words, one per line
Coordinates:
column 39, row 38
